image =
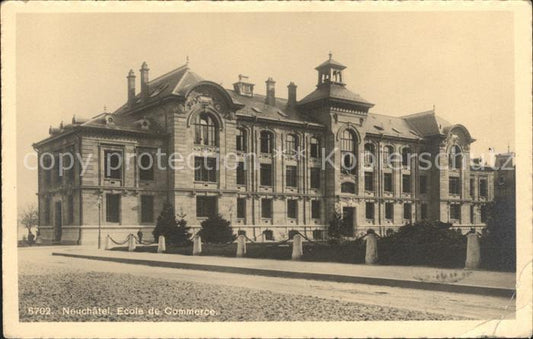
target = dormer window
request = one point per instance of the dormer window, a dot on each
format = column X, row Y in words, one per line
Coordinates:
column 244, row 88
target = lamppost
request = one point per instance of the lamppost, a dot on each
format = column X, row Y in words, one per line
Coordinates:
column 99, row 202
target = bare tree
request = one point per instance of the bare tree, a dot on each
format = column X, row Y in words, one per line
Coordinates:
column 29, row 217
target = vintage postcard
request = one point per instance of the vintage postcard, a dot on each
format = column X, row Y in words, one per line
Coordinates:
column 266, row 169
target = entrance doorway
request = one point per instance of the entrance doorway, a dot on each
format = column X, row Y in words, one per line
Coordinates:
column 57, row 221
column 348, row 217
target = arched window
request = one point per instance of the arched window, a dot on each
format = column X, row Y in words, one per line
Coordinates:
column 348, row 187
column 348, row 151
column 291, row 144
column 387, row 152
column 406, row 156
column 267, row 142
column 205, row 130
column 455, row 158
column 370, row 154
column 240, row 140
column 315, row 147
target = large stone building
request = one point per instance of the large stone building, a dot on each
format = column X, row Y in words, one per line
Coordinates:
column 323, row 153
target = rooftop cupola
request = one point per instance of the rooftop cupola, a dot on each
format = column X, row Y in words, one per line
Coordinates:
column 330, row 72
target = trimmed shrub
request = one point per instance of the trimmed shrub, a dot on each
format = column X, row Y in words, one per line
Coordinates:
column 424, row 243
column 498, row 241
column 217, row 230
column 175, row 231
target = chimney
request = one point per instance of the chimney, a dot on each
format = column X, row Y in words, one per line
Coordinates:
column 144, row 79
column 270, row 92
column 131, row 88
column 291, row 102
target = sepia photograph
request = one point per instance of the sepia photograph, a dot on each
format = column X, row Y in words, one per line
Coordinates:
column 266, row 170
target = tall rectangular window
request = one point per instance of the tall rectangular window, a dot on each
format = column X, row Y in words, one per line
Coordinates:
column 241, row 208
column 70, row 214
column 266, row 142
column 147, row 208
column 315, row 209
column 240, row 140
column 387, row 182
column 113, row 163
column 455, row 211
column 315, row 148
column 472, row 211
column 206, row 206
column 483, row 188
column 369, row 210
column 146, row 166
column 46, row 170
column 266, row 208
column 472, row 187
column 291, row 177
column 47, row 214
column 483, row 213
column 389, row 210
column 266, row 174
column 406, row 183
column 315, row 177
column 407, row 211
column 112, row 207
column 423, row 184
column 292, row 208
column 369, row 181
column 241, row 174
column 205, row 169
column 424, row 211
column 454, row 185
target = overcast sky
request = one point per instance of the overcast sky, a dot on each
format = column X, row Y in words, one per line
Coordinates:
column 461, row 62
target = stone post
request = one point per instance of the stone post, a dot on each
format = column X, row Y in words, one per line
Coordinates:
column 107, row 242
column 473, row 257
column 197, row 245
column 161, row 245
column 131, row 243
column 297, row 249
column 371, row 242
column 241, row 246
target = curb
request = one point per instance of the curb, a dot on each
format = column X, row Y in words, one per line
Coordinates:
column 482, row 290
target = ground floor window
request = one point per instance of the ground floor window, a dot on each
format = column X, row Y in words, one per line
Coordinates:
column 266, row 208
column 369, row 210
column 147, row 208
column 315, row 209
column 269, row 235
column 424, row 211
column 241, row 232
column 47, row 214
column 292, row 233
column 70, row 212
column 241, row 208
column 455, row 211
column 407, row 211
column 292, row 208
column 389, row 210
column 206, row 206
column 112, row 207
column 318, row 234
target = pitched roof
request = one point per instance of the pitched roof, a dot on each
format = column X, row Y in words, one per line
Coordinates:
column 427, row 123
column 389, row 126
column 330, row 63
column 336, row 92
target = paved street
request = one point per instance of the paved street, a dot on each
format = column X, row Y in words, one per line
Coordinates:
column 70, row 285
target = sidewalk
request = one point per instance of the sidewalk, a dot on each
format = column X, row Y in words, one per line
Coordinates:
column 428, row 278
